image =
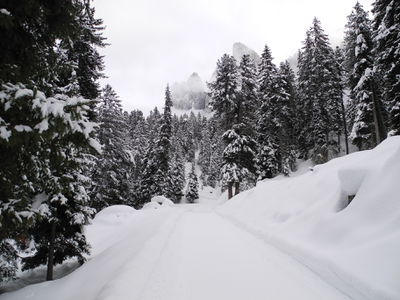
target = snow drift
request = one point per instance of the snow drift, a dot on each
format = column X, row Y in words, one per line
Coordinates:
column 353, row 242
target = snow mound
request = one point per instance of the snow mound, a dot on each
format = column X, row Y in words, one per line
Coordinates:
column 151, row 205
column 115, row 214
column 162, row 200
column 342, row 219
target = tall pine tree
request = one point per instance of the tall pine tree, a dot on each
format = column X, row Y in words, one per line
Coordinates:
column 386, row 34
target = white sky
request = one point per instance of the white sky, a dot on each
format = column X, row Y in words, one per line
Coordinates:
column 155, row 42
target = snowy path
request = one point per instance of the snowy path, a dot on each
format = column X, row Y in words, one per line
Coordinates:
column 185, row 253
column 209, row 258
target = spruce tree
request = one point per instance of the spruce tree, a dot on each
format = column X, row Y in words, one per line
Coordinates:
column 175, row 178
column 113, row 168
column 340, row 87
column 156, row 179
column 47, row 138
column 386, row 28
column 46, row 133
column 192, row 193
column 288, row 118
column 224, row 91
column 362, row 133
column 269, row 156
column 238, row 162
column 320, row 106
column 248, row 94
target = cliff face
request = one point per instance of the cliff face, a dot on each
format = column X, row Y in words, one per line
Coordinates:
column 239, row 49
column 190, row 93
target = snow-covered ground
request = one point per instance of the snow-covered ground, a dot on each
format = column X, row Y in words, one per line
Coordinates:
column 288, row 238
column 184, row 253
column 354, row 247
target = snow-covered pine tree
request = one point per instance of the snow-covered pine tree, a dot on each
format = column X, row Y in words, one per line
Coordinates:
column 359, row 42
column 139, row 142
column 238, row 160
column 288, row 117
column 28, row 38
column 163, row 149
column 317, row 79
column 164, row 141
column 58, row 234
column 341, row 83
column 192, row 191
column 158, row 157
column 205, row 154
column 47, row 138
column 114, row 166
column 386, row 32
column 90, row 62
column 224, row 91
column 248, row 95
column 269, row 156
column 147, row 184
column 304, row 104
column 176, row 178
column 46, row 141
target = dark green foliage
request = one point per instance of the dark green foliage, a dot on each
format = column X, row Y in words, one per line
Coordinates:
column 224, row 92
column 192, row 193
column 239, row 157
column 319, row 96
column 386, row 31
column 113, row 169
column 269, row 158
column 8, row 260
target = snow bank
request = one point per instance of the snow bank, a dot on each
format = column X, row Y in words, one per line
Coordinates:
column 355, row 245
column 115, row 214
column 126, row 246
column 151, row 205
column 162, row 200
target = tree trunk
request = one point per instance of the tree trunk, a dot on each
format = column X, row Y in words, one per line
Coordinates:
column 346, row 135
column 50, row 261
column 380, row 130
column 230, row 185
column 237, row 187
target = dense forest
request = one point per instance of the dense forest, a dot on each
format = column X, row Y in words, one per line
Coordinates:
column 68, row 149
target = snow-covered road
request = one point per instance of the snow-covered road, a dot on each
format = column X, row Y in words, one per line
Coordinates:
column 207, row 257
column 182, row 253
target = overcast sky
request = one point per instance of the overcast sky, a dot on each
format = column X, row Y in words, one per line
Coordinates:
column 155, row 42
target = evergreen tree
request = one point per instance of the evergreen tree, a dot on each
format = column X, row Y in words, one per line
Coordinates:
column 320, row 106
column 138, row 135
column 28, row 35
column 224, row 91
column 114, row 166
column 386, row 29
column 238, row 159
column 269, row 156
column 48, row 156
column 248, row 94
column 176, row 178
column 156, row 173
column 339, row 57
column 192, row 193
column 361, row 78
column 164, row 141
column 288, row 115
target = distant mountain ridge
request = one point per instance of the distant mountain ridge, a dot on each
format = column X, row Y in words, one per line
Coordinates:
column 192, row 93
column 189, row 94
column 240, row 49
